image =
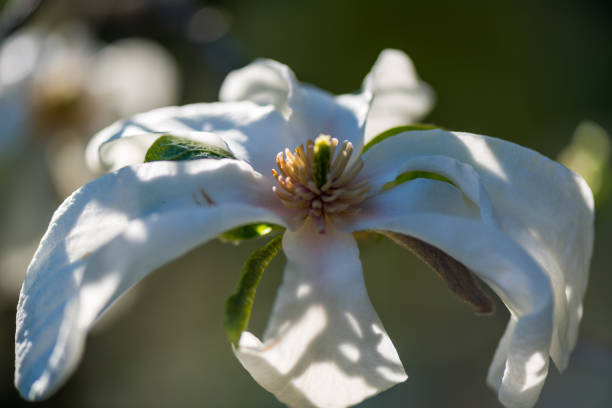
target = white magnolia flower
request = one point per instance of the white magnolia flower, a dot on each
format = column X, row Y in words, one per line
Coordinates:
column 517, row 220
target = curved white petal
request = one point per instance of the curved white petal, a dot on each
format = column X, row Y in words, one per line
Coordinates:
column 378, row 172
column 538, row 203
column 342, row 117
column 324, row 345
column 110, row 234
column 400, row 97
column 264, row 81
column 497, row 259
column 309, row 110
column 498, row 365
column 416, row 196
column 254, row 133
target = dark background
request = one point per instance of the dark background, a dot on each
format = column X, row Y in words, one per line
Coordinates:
column 525, row 71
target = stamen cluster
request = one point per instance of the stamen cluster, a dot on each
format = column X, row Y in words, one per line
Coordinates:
column 337, row 192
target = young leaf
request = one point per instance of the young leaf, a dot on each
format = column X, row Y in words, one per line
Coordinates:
column 238, row 306
column 411, row 175
column 249, row 231
column 394, row 131
column 174, row 148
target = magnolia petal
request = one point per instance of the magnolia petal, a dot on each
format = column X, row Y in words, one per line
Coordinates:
column 264, row 81
column 498, row 365
column 400, row 97
column 342, row 117
column 417, row 196
column 424, row 195
column 538, row 203
column 253, row 133
column 310, row 111
column 109, row 235
column 324, row 345
column 500, row 262
column 379, row 172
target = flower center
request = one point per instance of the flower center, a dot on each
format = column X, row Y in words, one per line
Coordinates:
column 318, row 182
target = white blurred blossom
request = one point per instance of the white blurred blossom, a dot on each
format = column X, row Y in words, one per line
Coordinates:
column 57, row 86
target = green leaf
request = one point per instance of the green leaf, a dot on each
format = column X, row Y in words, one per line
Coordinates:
column 238, row 306
column 411, row 175
column 173, row 148
column 249, row 231
column 394, row 131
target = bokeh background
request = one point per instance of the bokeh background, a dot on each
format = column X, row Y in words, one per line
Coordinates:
column 535, row 73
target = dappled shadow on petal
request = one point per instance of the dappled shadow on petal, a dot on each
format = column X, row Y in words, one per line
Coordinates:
column 109, row 235
column 538, row 203
column 548, row 210
column 324, row 345
column 512, row 257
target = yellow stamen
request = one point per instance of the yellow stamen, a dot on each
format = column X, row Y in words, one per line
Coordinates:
column 317, row 180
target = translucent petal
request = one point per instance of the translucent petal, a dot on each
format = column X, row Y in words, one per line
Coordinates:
column 400, row 97
column 310, row 111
